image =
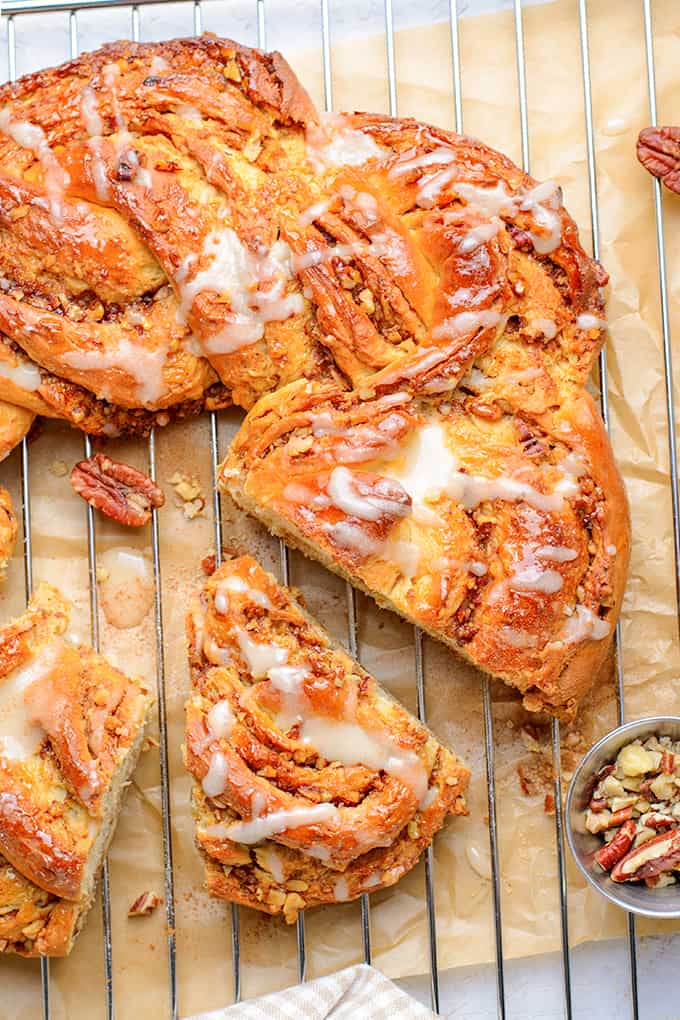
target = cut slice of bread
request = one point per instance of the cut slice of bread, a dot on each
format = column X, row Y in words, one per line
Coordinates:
column 507, row 539
column 312, row 784
column 71, row 730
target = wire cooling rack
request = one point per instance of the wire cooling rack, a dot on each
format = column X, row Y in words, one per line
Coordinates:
column 15, row 20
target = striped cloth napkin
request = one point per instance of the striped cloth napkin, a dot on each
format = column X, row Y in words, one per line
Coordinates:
column 357, row 992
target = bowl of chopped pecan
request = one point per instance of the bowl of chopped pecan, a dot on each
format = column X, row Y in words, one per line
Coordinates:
column 623, row 816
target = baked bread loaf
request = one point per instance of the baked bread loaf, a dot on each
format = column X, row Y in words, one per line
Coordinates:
column 71, row 729
column 312, row 784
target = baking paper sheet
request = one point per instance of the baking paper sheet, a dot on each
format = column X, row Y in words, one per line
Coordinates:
column 650, row 652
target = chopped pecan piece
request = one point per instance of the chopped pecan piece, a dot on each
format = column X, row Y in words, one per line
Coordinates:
column 649, row 859
column 658, row 149
column 144, row 905
column 611, row 852
column 118, row 490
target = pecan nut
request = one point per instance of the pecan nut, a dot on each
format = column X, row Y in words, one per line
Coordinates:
column 611, row 852
column 649, row 859
column 118, row 490
column 144, row 905
column 658, row 149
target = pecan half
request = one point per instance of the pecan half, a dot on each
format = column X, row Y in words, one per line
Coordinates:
column 649, row 859
column 118, row 490
column 658, row 149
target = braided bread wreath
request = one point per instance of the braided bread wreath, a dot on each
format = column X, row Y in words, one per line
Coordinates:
column 410, row 319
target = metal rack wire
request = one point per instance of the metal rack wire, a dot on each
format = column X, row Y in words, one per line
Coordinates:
column 13, row 11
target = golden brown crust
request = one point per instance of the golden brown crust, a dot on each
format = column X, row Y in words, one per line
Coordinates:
column 30, row 390
column 70, row 727
column 281, row 720
column 33, row 922
column 507, row 539
column 147, row 251
column 138, row 135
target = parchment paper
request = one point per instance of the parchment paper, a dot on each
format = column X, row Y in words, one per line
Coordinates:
column 650, row 652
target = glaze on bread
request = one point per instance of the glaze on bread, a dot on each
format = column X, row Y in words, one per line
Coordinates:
column 141, row 259
column 312, row 784
column 505, row 538
column 71, row 728
column 239, row 246
column 175, row 215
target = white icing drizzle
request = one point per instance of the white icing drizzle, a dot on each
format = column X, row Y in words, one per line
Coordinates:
column 215, row 654
column 264, row 826
column 524, row 375
column 259, row 657
column 295, row 492
column 125, row 140
column 610, row 550
column 427, row 192
column 351, row 536
column 547, row 327
column 95, row 129
column 588, row 321
column 237, row 584
column 477, row 380
column 405, row 555
column 20, row 736
column 351, row 744
column 343, row 492
column 234, row 271
column 582, row 625
column 479, row 235
column 143, row 365
column 24, row 374
column 488, row 201
column 558, row 553
column 465, row 322
column 430, row 468
column 313, row 212
column 541, row 201
column 321, row 853
column 220, row 719
column 287, row 679
column 215, row 780
column 337, row 144
column 529, row 575
column 335, row 251
column 31, row 136
column 572, row 467
column 440, row 155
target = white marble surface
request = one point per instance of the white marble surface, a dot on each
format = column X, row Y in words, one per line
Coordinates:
column 600, row 978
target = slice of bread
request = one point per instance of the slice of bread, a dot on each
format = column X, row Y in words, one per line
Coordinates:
column 71, row 730
column 312, row 784
column 505, row 538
